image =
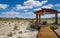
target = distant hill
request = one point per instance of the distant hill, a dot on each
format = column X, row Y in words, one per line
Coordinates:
column 26, row 18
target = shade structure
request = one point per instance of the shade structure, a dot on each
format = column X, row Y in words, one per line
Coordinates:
column 41, row 12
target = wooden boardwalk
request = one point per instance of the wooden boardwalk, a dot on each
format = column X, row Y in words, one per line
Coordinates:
column 46, row 32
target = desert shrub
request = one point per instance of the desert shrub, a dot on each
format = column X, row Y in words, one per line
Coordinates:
column 44, row 22
column 10, row 34
column 20, row 32
column 16, row 27
column 35, row 26
column 4, row 37
column 31, row 21
column 54, row 28
column 25, row 31
column 19, row 36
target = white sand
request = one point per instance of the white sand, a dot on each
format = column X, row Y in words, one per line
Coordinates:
column 6, row 28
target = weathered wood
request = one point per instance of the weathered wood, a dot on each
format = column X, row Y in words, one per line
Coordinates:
column 56, row 18
column 50, row 10
column 46, row 32
column 39, row 19
column 36, row 19
column 41, row 12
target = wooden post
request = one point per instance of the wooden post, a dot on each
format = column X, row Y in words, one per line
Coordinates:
column 39, row 19
column 36, row 19
column 56, row 18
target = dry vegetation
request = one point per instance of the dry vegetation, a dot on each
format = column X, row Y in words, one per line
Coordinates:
column 13, row 28
column 16, row 29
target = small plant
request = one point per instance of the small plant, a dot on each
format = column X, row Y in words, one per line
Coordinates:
column 5, row 22
column 16, row 27
column 4, row 37
column 19, row 36
column 9, row 23
column 10, row 34
column 25, row 31
column 20, row 32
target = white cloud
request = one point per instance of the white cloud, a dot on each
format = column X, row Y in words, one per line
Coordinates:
column 25, row 10
column 31, row 3
column 28, row 7
column 18, row 7
column 34, row 3
column 11, row 13
column 45, row 6
column 37, row 9
column 3, row 6
column 11, row 16
column 43, row 2
column 58, row 5
column 30, row 0
column 28, row 15
column 48, row 6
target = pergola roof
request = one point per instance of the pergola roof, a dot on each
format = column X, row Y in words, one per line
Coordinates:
column 42, row 11
column 49, row 11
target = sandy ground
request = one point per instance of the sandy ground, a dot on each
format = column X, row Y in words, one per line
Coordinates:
column 17, row 29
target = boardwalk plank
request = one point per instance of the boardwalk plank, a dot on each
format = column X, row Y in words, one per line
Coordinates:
column 46, row 32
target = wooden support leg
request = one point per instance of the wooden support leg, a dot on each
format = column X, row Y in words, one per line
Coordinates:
column 36, row 19
column 39, row 19
column 56, row 18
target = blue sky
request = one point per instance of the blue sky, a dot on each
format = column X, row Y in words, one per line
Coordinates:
column 26, row 8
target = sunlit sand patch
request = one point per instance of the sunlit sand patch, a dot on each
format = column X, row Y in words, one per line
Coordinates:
column 16, row 29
